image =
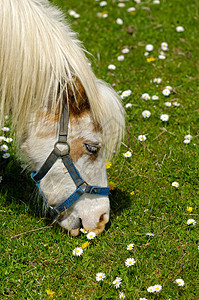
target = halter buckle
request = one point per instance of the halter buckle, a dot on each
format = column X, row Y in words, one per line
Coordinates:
column 61, row 148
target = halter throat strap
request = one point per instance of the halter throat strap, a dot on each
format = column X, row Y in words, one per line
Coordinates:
column 62, row 151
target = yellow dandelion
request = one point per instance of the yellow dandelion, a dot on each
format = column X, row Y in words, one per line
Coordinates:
column 150, row 59
column 112, row 185
column 84, row 245
column 50, row 293
column 132, row 193
column 189, row 209
column 108, row 164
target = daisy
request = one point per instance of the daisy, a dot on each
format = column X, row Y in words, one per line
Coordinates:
column 127, row 154
column 111, row 67
column 121, row 4
column 164, row 118
column 149, row 47
column 191, row 222
column 179, row 29
column 154, row 97
column 2, row 138
column 83, row 230
column 188, row 137
column 157, row 80
column 146, row 53
column 5, row 129
column 176, row 104
column 125, row 50
column 162, row 56
column 151, row 289
column 168, row 104
column 130, row 247
column 143, row 299
column 146, row 113
column 122, row 296
column 149, row 234
column 175, row 184
column 164, row 46
column 4, row 147
column 120, row 58
column 129, row 262
column 103, row 3
column 168, row 87
column 180, row 282
column 6, row 155
column 117, row 282
column 128, row 105
column 100, row 276
column 131, row 9
column 9, row 140
column 157, row 288
column 126, row 94
column 156, row 1
column 77, row 251
column 91, row 235
column 137, row 1
column 142, row 137
column 145, row 96
column 187, row 142
column 166, row 92
column 119, row 21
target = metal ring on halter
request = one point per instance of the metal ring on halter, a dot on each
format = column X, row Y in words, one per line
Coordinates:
column 63, row 152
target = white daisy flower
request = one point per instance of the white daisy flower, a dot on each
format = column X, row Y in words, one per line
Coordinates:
column 180, row 282
column 120, row 58
column 164, row 46
column 142, row 137
column 76, row 16
column 111, row 67
column 128, row 105
column 2, row 138
column 138, row 1
column 188, row 137
column 129, row 262
column 131, row 9
column 149, row 47
column 4, row 147
column 145, row 96
column 126, row 93
column 154, row 97
column 176, row 104
column 168, row 104
column 119, row 21
column 187, row 141
column 175, row 184
column 91, row 235
column 83, row 230
column 149, row 234
column 127, row 154
column 164, row 117
column 166, row 92
column 130, row 247
column 157, row 288
column 71, row 12
column 168, row 87
column 179, row 28
column 157, row 80
column 100, row 276
column 6, row 155
column 103, row 3
column 117, row 282
column 122, row 295
column 146, row 114
column 156, row 1
column 121, row 4
column 162, row 56
column 5, row 129
column 125, row 50
column 143, row 299
column 9, row 140
column 151, row 289
column 77, row 251
column 146, row 53
column 191, row 222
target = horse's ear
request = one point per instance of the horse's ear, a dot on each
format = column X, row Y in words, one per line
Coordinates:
column 77, row 98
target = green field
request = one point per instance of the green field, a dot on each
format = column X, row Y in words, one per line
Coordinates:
column 39, row 264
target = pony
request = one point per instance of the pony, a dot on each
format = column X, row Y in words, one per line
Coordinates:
column 44, row 70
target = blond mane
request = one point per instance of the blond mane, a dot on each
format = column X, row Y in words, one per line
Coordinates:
column 39, row 57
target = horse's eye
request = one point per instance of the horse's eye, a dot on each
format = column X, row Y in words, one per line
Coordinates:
column 93, row 149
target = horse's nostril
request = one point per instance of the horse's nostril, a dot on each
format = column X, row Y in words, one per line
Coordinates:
column 103, row 218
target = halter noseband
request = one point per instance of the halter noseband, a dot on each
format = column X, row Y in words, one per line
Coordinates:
column 81, row 186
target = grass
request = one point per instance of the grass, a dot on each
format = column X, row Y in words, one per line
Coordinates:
column 40, row 260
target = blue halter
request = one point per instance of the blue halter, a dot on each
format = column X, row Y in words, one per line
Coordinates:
column 81, row 186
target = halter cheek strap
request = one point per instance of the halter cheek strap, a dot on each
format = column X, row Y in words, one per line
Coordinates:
column 64, row 154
